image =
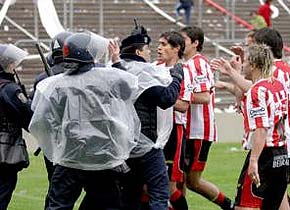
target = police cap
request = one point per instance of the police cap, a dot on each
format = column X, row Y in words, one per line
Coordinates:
column 135, row 39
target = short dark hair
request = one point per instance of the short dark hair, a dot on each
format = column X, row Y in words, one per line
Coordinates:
column 195, row 33
column 272, row 38
column 175, row 40
column 132, row 49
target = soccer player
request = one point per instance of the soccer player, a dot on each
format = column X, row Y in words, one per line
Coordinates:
column 170, row 51
column 263, row 180
column 201, row 128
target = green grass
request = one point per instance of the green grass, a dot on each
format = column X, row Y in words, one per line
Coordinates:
column 223, row 168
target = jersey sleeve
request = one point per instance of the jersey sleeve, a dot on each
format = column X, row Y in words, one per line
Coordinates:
column 257, row 111
column 186, row 87
column 201, row 79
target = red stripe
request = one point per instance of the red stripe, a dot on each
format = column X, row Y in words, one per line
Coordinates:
column 206, row 121
column 177, row 173
column 188, row 122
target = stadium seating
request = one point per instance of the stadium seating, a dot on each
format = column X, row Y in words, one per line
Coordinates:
column 118, row 21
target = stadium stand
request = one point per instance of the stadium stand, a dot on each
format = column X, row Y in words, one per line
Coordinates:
column 118, row 21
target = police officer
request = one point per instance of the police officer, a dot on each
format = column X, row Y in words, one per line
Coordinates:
column 89, row 112
column 15, row 114
column 55, row 57
column 157, row 88
column 55, row 61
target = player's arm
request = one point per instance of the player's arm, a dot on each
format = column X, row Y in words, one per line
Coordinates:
column 258, row 141
column 181, row 105
column 225, row 67
column 201, row 98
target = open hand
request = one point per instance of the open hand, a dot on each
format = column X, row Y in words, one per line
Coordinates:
column 114, row 51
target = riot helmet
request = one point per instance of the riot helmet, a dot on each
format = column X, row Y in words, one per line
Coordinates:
column 10, row 55
column 49, row 59
column 84, row 47
column 56, row 46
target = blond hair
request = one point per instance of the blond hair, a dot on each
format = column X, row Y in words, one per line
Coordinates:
column 261, row 57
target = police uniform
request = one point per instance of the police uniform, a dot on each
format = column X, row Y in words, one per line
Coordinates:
column 15, row 114
column 84, row 124
column 148, row 164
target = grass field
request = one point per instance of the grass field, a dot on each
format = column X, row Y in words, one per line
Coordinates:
column 223, row 168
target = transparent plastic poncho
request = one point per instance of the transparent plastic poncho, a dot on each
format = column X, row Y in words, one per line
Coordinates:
column 149, row 75
column 86, row 121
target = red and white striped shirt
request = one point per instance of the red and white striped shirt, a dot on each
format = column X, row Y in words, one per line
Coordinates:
column 185, row 93
column 281, row 72
column 265, row 106
column 200, row 117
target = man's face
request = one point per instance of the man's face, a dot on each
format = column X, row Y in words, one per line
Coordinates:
column 190, row 47
column 249, row 40
column 246, row 68
column 165, row 52
column 145, row 53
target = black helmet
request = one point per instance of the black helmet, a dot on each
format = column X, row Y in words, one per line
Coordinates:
column 56, row 46
column 49, row 59
column 81, row 48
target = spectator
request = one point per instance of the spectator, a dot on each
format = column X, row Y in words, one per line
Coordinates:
column 265, row 11
column 186, row 6
column 257, row 20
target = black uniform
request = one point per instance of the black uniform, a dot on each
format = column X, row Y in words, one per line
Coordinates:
column 150, row 168
column 15, row 114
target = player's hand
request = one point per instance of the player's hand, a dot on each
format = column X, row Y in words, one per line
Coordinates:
column 114, row 51
column 236, row 63
column 253, row 172
column 221, row 65
column 240, row 51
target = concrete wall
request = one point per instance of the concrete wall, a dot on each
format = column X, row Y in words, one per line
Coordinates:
column 230, row 127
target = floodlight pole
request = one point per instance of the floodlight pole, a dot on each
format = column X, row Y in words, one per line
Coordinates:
column 233, row 21
column 71, row 14
column 101, row 17
column 200, row 8
column 65, row 14
column 36, row 31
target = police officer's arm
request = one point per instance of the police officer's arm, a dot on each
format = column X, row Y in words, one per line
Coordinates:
column 17, row 104
column 119, row 65
column 165, row 97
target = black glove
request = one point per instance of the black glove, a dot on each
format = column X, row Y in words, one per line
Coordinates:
column 177, row 72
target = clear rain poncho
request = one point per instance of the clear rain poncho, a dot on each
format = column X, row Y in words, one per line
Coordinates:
column 86, row 121
column 150, row 75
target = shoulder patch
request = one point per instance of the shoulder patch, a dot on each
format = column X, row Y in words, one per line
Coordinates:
column 22, row 98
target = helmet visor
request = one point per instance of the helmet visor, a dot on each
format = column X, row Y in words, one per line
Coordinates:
column 10, row 54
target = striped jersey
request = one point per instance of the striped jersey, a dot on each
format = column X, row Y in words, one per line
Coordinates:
column 200, row 117
column 185, row 93
column 281, row 72
column 265, row 106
